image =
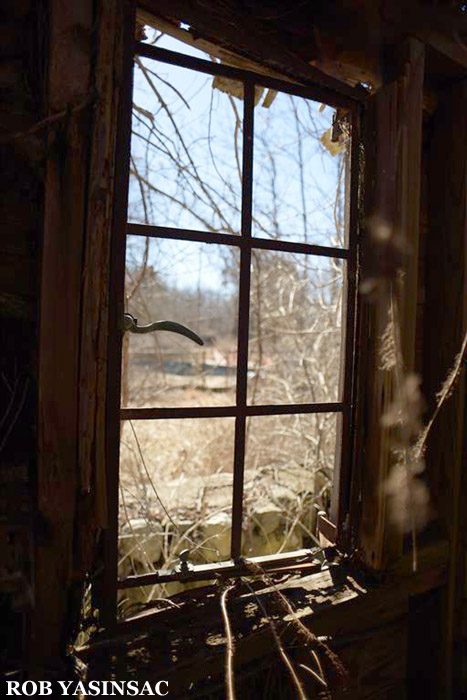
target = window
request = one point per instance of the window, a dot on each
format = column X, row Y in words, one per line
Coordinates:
column 241, row 227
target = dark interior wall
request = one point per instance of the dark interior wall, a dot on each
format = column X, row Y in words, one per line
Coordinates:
column 445, row 328
column 59, row 96
column 21, row 215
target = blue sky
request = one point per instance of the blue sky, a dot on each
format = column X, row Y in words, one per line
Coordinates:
column 198, row 182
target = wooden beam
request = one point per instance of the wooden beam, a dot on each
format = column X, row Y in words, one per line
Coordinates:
column 441, row 25
column 224, row 25
column 65, row 199
column 92, row 500
column 393, row 158
column 79, row 195
column 445, row 327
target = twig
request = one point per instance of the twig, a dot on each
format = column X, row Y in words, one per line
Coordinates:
column 229, row 650
column 38, row 126
column 304, row 631
column 143, row 461
column 443, row 395
column 313, row 674
column 20, row 404
column 151, row 482
column 295, row 679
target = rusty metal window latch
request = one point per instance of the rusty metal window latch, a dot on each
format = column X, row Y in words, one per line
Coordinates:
column 130, row 323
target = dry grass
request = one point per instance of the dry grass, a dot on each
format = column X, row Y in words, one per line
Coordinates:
column 177, row 475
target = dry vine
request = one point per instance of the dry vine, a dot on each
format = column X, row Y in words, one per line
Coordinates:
column 315, row 643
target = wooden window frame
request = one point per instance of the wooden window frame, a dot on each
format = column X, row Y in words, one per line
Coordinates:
column 334, row 527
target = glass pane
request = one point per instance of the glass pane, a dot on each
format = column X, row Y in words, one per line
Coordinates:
column 289, row 463
column 176, row 485
column 195, row 284
column 295, row 328
column 185, row 149
column 299, row 173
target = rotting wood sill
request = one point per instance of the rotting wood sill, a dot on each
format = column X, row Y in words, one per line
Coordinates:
column 342, row 603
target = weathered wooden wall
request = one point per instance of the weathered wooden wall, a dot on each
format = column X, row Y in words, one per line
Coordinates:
column 445, row 328
column 22, row 71
column 59, row 82
column 393, row 139
column 66, row 169
column 86, row 41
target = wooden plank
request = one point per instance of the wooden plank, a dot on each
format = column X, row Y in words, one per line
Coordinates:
column 92, row 502
column 445, row 326
column 74, row 305
column 333, row 592
column 326, row 529
column 322, row 34
column 172, row 29
column 394, row 130
column 64, row 210
column 409, row 186
column 106, row 586
column 439, row 25
column 223, row 26
column 366, row 625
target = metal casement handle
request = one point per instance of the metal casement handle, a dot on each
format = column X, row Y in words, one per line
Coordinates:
column 130, row 323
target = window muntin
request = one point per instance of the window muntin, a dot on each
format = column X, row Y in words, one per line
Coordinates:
column 247, row 245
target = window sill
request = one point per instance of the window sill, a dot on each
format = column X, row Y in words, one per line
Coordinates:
column 185, row 641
